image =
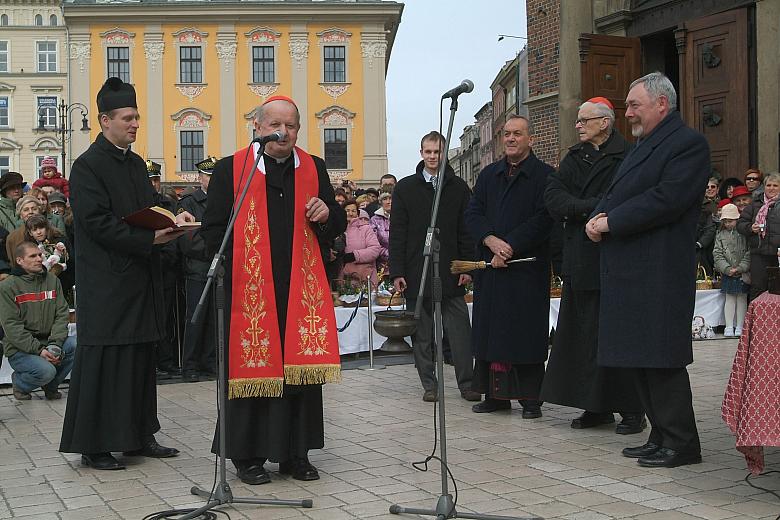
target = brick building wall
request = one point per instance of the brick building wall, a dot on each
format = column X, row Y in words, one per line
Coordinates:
column 543, row 66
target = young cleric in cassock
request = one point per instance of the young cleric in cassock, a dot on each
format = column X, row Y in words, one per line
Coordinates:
column 573, row 377
column 646, row 227
column 112, row 404
column 507, row 219
column 282, row 338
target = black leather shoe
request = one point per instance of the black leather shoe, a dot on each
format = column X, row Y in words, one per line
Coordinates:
column 190, row 377
column 532, row 411
column 104, row 461
column 299, row 469
column 208, row 375
column 631, row 423
column 641, row 451
column 251, row 472
column 669, row 458
column 152, row 449
column 491, row 405
column 471, row 395
column 591, row 419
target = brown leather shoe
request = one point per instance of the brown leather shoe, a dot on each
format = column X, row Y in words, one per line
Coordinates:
column 430, row 396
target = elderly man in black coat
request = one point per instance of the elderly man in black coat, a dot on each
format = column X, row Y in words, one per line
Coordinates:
column 573, row 376
column 646, row 225
column 508, row 220
column 112, row 406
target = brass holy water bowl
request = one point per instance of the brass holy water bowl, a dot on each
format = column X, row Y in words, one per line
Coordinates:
column 395, row 325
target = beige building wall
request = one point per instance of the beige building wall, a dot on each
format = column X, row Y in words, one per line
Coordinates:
column 22, row 143
column 768, row 102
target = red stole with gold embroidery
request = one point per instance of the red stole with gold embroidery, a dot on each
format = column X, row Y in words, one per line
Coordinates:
column 311, row 349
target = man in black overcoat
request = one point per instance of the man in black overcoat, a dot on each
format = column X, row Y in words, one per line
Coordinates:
column 646, row 225
column 412, row 204
column 573, row 376
column 112, row 404
column 510, row 321
column 199, row 347
column 278, row 429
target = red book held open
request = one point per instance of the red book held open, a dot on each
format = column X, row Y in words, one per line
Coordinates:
column 155, row 218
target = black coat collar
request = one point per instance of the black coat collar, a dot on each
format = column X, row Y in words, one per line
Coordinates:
column 448, row 172
column 615, row 144
column 111, row 149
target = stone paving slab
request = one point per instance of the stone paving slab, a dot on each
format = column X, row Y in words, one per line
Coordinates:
column 376, row 426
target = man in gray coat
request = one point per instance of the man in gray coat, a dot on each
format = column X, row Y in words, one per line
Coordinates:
column 646, row 225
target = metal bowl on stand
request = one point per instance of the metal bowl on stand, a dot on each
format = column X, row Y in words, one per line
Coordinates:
column 395, row 325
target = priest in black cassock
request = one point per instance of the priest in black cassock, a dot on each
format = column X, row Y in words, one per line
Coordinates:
column 112, row 402
column 282, row 340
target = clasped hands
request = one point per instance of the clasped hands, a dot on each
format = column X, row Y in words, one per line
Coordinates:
column 596, row 227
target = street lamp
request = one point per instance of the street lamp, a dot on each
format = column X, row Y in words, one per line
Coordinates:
column 517, row 70
column 65, row 113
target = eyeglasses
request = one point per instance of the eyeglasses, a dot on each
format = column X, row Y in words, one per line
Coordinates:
column 756, row 179
column 711, row 186
column 583, row 120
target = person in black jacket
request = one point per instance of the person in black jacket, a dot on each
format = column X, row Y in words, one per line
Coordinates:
column 412, row 203
column 199, row 355
column 573, row 378
column 112, row 401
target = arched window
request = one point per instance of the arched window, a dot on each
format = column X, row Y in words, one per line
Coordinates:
column 38, row 19
column 53, row 19
column 4, row 19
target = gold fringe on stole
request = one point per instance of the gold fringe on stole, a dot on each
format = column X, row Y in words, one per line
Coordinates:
column 261, row 387
column 312, row 374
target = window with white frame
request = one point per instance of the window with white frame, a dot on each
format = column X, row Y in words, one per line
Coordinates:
column 335, row 64
column 47, row 111
column 118, row 63
column 47, row 56
column 263, row 64
column 5, row 164
column 38, row 19
column 336, row 148
column 5, row 55
column 191, row 64
column 5, row 112
column 53, row 20
column 191, row 149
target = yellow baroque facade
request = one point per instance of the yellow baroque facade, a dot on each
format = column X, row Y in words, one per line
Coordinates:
column 201, row 68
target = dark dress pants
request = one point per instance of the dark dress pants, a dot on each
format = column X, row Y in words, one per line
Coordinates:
column 199, row 353
column 666, row 397
column 457, row 327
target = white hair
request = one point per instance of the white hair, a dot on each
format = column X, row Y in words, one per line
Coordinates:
column 600, row 110
column 656, row 85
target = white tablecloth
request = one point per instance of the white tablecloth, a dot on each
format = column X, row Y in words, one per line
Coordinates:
column 709, row 304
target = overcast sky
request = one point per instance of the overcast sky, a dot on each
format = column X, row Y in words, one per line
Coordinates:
column 439, row 44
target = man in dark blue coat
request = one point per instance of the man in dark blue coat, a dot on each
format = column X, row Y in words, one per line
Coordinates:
column 507, row 219
column 646, row 224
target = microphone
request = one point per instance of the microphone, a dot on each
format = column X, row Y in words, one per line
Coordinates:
column 275, row 136
column 465, row 86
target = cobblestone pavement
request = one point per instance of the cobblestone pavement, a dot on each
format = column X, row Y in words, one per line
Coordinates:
column 376, row 425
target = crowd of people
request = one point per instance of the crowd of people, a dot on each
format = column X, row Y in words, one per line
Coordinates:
column 633, row 224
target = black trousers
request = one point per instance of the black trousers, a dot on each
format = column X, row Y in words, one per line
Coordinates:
column 666, row 397
column 198, row 351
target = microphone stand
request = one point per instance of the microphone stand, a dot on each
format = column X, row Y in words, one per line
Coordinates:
column 222, row 493
column 445, row 507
